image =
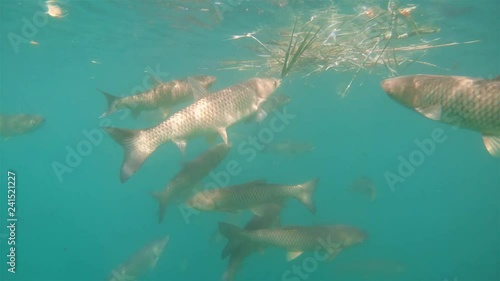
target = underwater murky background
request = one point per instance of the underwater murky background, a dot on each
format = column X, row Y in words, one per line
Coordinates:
column 441, row 223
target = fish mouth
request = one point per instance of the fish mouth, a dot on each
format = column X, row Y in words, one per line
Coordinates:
column 385, row 85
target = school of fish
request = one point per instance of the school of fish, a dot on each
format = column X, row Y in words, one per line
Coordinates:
column 190, row 111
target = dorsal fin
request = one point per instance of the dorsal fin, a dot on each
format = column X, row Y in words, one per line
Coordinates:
column 199, row 91
column 156, row 80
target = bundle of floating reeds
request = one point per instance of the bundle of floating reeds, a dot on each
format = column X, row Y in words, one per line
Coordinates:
column 387, row 38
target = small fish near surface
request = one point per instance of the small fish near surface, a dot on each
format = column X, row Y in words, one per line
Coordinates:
column 252, row 196
column 209, row 114
column 465, row 102
column 192, row 173
column 141, row 263
column 164, row 95
column 331, row 239
column 269, row 218
column 19, row 124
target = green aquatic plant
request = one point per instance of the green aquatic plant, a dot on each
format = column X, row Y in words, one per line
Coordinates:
column 296, row 53
column 385, row 40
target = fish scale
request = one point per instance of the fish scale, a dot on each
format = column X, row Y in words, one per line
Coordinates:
column 466, row 102
column 252, row 195
column 474, row 107
column 296, row 239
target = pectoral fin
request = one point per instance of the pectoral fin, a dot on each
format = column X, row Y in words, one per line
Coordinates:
column 258, row 117
column 261, row 115
column 432, row 112
column 258, row 210
column 223, row 134
column 292, row 255
column 181, row 144
column 334, row 254
column 492, row 144
column 199, row 91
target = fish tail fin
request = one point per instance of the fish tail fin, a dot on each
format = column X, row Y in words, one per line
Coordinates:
column 233, row 234
column 110, row 99
column 162, row 200
column 306, row 194
column 135, row 153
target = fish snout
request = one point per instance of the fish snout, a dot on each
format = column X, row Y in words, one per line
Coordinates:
column 363, row 236
column 210, row 80
column 386, row 85
column 37, row 120
column 267, row 86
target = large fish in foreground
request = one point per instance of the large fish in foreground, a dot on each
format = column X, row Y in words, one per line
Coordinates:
column 208, row 114
column 141, row 263
column 296, row 239
column 192, row 172
column 18, row 124
column 465, row 102
column 269, row 218
column 252, row 196
column 164, row 95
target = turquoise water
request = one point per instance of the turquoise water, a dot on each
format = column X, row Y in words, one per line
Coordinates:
column 442, row 222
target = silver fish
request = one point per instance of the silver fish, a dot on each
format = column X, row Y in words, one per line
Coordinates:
column 465, row 102
column 192, row 172
column 253, row 195
column 208, row 114
column 19, row 124
column 164, row 96
column 142, row 262
column 296, row 239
